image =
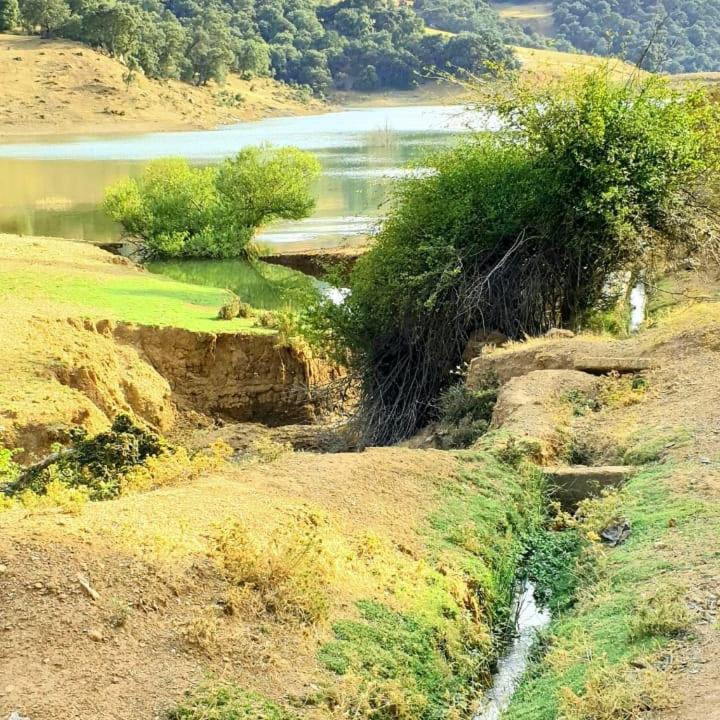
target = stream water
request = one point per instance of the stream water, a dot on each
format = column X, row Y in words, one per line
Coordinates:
column 530, row 619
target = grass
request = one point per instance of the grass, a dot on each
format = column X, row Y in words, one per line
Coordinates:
column 624, row 618
column 429, row 660
column 225, row 701
column 139, row 298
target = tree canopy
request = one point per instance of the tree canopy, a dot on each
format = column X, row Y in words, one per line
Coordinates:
column 520, row 231
column 684, row 36
column 366, row 44
column 176, row 210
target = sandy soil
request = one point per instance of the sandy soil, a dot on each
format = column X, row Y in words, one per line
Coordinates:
column 65, row 655
column 62, row 87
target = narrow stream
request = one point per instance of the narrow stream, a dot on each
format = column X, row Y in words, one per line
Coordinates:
column 638, row 301
column 512, row 665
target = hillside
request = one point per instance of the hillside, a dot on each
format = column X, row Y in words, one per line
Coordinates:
column 60, row 86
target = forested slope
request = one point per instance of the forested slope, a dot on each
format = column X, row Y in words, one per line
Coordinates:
column 353, row 44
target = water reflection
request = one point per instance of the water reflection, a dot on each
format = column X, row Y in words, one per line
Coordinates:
column 264, row 286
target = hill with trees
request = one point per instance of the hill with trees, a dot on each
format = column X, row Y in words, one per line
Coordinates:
column 353, row 44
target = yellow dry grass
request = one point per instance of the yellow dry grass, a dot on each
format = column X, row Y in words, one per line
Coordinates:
column 59, row 86
column 556, row 65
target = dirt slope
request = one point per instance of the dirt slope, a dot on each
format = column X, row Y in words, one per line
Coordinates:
column 64, row 655
column 59, row 86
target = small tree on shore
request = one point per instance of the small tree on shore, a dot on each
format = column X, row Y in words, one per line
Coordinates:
column 176, row 210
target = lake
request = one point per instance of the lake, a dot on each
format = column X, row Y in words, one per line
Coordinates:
column 54, row 186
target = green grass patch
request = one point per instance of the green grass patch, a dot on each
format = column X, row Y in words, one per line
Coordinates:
column 141, row 298
column 430, row 661
column 226, row 701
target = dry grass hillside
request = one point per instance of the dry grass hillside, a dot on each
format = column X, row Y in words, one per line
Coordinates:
column 59, row 86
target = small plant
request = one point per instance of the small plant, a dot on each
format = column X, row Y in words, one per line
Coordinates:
column 594, row 515
column 581, row 402
column 291, row 572
column 235, row 308
column 465, row 414
column 201, row 632
column 662, row 613
column 615, row 693
column 266, row 450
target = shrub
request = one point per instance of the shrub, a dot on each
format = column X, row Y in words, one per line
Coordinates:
column 290, row 573
column 615, row 693
column 465, row 414
column 663, row 613
column 235, row 308
column 520, row 230
column 175, row 210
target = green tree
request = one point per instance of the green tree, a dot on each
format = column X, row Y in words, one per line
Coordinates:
column 48, row 15
column 210, row 53
column 520, row 231
column 175, row 210
column 9, row 15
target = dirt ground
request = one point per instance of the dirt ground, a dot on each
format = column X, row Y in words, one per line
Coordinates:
column 60, row 86
column 65, row 655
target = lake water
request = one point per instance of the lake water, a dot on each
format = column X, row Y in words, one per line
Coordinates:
column 53, row 186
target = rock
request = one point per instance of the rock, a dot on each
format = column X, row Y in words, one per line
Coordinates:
column 616, row 534
column 17, row 716
column 95, row 635
column 3, row 569
column 559, row 333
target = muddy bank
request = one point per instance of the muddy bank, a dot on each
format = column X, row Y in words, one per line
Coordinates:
column 242, row 377
column 317, row 263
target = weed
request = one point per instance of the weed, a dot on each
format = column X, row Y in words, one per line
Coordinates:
column 57, row 496
column 662, row 612
column 201, row 632
column 465, row 414
column 598, row 513
column 290, row 573
column 623, row 391
column 581, row 402
column 118, row 614
column 174, row 468
column 226, row 701
column 553, row 564
column 615, row 693
column 266, row 450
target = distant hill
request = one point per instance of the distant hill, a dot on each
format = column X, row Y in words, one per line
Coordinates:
column 60, row 86
column 663, row 35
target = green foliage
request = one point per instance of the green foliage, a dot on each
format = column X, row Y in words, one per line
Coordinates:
column 368, row 44
column 9, row 15
column 520, row 231
column 175, row 210
column 465, row 414
column 553, row 565
column 98, row 463
column 9, row 469
column 668, row 36
column 226, row 701
column 48, row 15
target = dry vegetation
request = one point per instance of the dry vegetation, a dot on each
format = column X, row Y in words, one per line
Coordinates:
column 59, row 86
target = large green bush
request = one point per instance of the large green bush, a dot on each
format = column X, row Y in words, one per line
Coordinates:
column 176, row 210
column 520, row 231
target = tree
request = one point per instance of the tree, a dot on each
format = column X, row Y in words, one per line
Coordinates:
column 175, row 210
column 521, row 230
column 9, row 15
column 48, row 15
column 210, row 53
